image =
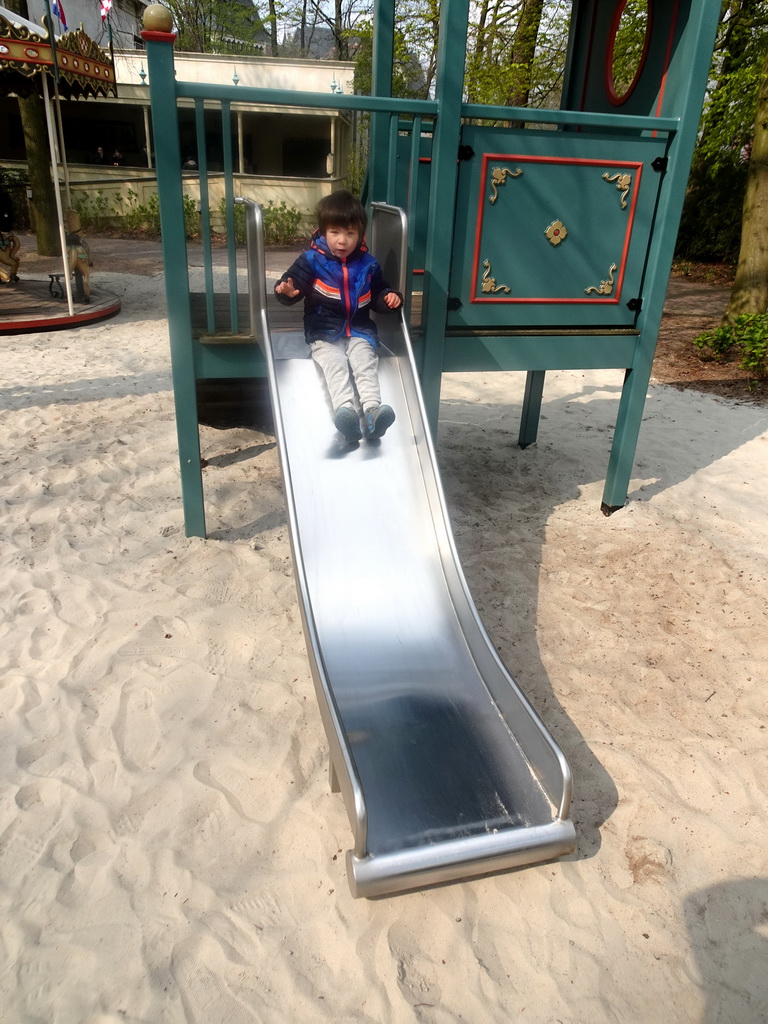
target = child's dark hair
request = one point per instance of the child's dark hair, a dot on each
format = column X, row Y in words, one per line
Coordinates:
column 341, row 210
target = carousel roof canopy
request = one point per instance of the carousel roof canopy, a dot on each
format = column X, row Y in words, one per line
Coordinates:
column 28, row 51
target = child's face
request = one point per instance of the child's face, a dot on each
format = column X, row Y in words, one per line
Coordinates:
column 342, row 241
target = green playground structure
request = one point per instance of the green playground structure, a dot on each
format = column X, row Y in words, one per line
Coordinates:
column 539, row 239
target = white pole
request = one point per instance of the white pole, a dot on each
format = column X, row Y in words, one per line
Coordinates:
column 62, row 149
column 147, row 137
column 57, row 104
column 240, row 154
column 57, row 192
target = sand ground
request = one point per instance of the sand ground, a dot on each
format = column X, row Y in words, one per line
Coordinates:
column 169, row 849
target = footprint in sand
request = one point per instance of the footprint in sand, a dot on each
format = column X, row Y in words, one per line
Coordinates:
column 415, row 972
column 247, row 791
column 27, row 837
column 206, row 995
column 137, row 730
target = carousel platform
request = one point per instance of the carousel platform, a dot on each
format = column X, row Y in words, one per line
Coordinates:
column 28, row 305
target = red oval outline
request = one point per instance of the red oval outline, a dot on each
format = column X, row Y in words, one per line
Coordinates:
column 610, row 89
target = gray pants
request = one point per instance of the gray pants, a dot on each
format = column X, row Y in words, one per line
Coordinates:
column 346, row 360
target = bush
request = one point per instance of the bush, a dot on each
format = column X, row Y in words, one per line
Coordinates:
column 145, row 217
column 746, row 337
column 282, row 224
column 239, row 220
column 97, row 213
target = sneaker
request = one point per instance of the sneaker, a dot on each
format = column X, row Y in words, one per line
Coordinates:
column 378, row 421
column 348, row 424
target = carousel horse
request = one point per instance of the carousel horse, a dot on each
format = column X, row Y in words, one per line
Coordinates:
column 78, row 257
column 9, row 258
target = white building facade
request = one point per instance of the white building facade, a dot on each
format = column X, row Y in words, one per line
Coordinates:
column 281, row 153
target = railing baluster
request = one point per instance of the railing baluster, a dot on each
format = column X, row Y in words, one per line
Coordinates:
column 412, row 198
column 205, row 215
column 394, row 126
column 229, row 195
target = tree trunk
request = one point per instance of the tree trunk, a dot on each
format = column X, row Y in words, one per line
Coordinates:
column 273, row 27
column 524, row 50
column 342, row 43
column 32, row 114
column 750, row 287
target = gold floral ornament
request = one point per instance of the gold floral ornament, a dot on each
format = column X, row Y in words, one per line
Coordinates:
column 489, row 283
column 623, row 185
column 606, row 287
column 499, row 176
column 556, row 232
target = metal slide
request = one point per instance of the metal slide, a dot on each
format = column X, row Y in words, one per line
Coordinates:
column 445, row 769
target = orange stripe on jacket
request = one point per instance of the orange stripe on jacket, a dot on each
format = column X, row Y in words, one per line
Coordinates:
column 327, row 290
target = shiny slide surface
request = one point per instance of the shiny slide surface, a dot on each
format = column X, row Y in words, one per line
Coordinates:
column 445, row 769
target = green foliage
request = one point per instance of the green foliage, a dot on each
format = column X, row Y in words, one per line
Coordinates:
column 629, row 44
column 141, row 216
column 746, row 337
column 712, row 216
column 729, row 108
column 15, row 183
column 145, row 217
column 282, row 224
column 97, row 213
column 217, row 26
column 239, row 220
column 357, row 166
column 516, row 53
column 408, row 78
column 710, row 228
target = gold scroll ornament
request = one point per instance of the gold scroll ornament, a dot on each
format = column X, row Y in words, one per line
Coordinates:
column 623, row 185
column 488, row 283
column 499, row 176
column 606, row 287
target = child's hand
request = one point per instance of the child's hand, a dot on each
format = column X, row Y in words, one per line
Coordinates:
column 393, row 300
column 287, row 288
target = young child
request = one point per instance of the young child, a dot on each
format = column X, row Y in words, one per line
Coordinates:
column 340, row 282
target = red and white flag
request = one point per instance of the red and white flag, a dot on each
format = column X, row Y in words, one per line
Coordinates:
column 106, row 7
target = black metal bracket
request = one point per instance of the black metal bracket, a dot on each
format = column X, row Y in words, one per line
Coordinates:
column 660, row 164
column 635, row 305
column 466, row 152
column 454, row 304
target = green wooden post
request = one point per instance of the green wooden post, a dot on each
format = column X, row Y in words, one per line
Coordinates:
column 168, row 157
column 529, row 420
column 381, row 85
column 696, row 62
column 442, row 198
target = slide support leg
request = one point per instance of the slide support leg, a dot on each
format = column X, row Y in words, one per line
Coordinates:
column 529, row 423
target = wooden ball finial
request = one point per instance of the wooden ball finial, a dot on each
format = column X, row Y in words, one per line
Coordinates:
column 157, row 19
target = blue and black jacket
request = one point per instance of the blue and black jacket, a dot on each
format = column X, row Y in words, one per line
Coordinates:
column 338, row 295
